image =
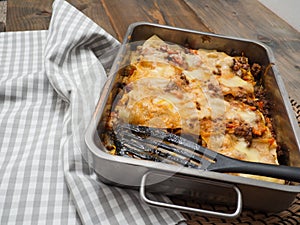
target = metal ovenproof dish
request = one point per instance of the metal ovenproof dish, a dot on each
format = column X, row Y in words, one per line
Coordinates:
column 208, row 187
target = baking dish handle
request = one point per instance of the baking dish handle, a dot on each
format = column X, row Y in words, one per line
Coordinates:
column 150, row 202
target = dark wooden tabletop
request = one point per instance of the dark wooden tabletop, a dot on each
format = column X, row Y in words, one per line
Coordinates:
column 241, row 18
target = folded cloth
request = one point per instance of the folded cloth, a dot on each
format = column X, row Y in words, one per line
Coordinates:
column 50, row 82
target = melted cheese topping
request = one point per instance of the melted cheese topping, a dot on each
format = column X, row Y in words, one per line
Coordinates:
column 173, row 87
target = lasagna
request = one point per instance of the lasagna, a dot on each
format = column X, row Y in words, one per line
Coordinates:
column 207, row 94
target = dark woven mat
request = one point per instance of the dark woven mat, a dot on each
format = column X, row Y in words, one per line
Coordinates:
column 289, row 216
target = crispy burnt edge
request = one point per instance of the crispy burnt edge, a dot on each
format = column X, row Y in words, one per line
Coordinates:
column 104, row 127
column 263, row 103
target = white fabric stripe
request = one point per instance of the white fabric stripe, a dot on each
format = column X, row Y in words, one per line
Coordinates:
column 49, row 178
column 3, row 56
column 7, row 170
column 67, row 157
column 35, row 152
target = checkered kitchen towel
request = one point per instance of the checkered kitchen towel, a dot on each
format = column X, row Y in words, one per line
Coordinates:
column 49, row 84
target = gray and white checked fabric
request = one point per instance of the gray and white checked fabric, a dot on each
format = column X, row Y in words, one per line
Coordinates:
column 49, row 84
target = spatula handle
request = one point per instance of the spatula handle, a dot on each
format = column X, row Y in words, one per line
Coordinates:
column 269, row 170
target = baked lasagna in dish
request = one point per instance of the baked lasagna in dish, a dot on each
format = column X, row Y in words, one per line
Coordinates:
column 210, row 96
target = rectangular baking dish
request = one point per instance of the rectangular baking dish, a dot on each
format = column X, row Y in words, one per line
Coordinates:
column 207, row 187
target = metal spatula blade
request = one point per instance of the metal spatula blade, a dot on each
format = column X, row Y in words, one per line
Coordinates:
column 160, row 145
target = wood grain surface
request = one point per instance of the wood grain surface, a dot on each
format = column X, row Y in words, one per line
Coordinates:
column 241, row 18
column 2, row 27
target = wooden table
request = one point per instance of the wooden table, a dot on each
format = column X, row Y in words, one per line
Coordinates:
column 241, row 18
